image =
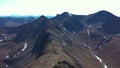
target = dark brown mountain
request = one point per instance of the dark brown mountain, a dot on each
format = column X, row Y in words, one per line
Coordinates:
column 109, row 22
column 64, row 41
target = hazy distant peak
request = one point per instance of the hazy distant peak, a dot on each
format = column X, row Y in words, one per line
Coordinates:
column 42, row 17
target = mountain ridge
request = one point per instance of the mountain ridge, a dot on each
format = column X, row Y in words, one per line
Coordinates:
column 64, row 41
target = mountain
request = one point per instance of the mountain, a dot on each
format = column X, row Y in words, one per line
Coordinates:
column 13, row 21
column 71, row 22
column 109, row 22
column 41, row 39
column 64, row 41
column 110, row 52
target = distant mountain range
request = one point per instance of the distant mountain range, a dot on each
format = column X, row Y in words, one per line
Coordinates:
column 14, row 21
column 64, row 41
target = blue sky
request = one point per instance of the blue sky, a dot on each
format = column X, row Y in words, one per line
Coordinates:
column 53, row 7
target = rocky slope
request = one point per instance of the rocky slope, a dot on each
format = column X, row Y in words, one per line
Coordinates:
column 65, row 41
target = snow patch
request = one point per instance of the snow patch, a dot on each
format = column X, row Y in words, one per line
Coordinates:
column 64, row 28
column 13, row 34
column 64, row 44
column 3, row 34
column 88, row 32
column 105, row 66
column 6, row 65
column 1, row 40
column 25, row 46
column 5, row 37
column 85, row 45
column 70, row 14
column 7, row 56
column 104, row 36
column 98, row 58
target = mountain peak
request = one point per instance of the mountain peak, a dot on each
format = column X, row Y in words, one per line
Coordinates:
column 62, row 16
column 42, row 17
column 104, row 13
column 61, row 41
column 65, row 14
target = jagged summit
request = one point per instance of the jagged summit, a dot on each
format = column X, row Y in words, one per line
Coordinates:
column 62, row 16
